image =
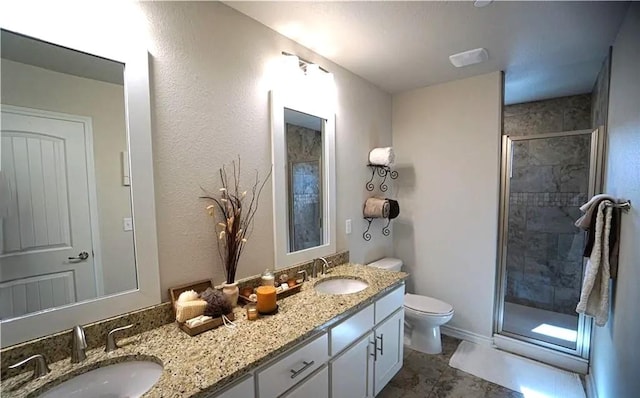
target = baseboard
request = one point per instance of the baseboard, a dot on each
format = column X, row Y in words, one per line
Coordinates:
column 466, row 335
column 592, row 392
column 542, row 354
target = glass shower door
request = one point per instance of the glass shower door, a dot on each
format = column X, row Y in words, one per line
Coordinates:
column 546, row 178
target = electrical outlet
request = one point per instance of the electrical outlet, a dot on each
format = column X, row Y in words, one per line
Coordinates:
column 348, row 226
column 127, row 224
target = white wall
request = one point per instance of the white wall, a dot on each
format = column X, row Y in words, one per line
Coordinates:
column 210, row 81
column 615, row 357
column 38, row 88
column 447, row 142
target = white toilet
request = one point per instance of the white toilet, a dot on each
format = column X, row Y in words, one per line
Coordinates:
column 423, row 314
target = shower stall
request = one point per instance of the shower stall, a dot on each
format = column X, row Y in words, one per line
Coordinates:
column 545, row 179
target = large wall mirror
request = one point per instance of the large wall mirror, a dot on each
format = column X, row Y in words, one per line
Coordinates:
column 303, row 143
column 77, row 237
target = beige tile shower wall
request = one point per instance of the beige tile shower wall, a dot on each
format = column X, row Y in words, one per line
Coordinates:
column 209, row 82
column 548, row 116
column 32, row 87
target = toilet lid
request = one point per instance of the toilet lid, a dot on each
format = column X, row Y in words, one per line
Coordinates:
column 426, row 304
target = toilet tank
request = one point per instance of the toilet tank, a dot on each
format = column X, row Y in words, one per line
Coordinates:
column 388, row 263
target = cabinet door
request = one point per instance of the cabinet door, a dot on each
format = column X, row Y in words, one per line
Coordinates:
column 244, row 389
column 389, row 340
column 352, row 371
column 317, row 386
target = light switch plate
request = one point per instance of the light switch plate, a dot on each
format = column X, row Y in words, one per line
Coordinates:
column 348, row 226
column 127, row 224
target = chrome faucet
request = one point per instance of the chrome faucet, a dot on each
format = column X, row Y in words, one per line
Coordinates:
column 40, row 367
column 78, row 345
column 111, row 343
column 325, row 266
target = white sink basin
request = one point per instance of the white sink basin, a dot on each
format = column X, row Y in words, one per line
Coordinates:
column 124, row 379
column 340, row 286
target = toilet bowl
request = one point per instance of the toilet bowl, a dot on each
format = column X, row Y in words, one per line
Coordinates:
column 424, row 315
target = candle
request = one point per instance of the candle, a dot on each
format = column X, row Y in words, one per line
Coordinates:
column 252, row 312
column 266, row 299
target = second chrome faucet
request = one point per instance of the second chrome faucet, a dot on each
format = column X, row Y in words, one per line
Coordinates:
column 78, row 345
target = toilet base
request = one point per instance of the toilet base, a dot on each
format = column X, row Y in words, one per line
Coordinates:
column 426, row 340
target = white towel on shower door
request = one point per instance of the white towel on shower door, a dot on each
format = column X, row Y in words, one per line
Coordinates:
column 594, row 297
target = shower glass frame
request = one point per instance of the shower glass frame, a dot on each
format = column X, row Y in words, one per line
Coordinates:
column 584, row 323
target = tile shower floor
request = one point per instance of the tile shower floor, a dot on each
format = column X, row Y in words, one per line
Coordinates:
column 430, row 376
column 526, row 321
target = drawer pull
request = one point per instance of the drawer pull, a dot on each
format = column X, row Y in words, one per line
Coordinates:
column 381, row 338
column 295, row 373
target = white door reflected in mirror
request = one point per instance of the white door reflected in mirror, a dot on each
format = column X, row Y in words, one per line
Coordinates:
column 63, row 132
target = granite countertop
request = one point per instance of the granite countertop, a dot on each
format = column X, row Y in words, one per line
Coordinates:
column 199, row 365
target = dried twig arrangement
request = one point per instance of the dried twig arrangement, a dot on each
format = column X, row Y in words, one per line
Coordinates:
column 234, row 216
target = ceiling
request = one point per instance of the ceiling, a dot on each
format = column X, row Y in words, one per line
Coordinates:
column 547, row 48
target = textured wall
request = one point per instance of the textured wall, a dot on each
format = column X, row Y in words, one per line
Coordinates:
column 615, row 355
column 32, row 87
column 448, row 185
column 210, row 82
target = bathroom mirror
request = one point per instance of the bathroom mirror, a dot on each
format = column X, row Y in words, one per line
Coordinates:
column 303, row 147
column 75, row 168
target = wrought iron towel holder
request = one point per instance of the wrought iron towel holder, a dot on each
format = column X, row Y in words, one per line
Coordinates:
column 382, row 171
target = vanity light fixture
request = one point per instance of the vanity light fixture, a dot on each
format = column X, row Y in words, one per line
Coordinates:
column 307, row 67
column 469, row 57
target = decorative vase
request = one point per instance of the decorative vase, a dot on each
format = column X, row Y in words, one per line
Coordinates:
column 231, row 291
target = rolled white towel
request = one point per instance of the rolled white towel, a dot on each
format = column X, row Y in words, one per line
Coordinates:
column 376, row 208
column 382, row 156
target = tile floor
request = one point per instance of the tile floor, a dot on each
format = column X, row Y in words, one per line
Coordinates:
column 430, row 376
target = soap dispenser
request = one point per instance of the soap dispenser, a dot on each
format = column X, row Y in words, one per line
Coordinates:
column 267, row 278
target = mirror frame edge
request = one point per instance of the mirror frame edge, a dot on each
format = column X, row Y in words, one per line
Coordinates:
column 299, row 100
column 138, row 120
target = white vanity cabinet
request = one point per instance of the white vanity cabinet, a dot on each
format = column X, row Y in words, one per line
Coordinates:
column 389, row 339
column 242, row 389
column 352, row 370
column 317, row 386
column 355, row 359
column 363, row 369
column 293, row 367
